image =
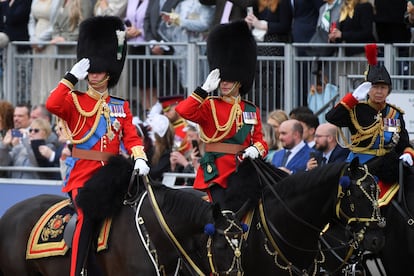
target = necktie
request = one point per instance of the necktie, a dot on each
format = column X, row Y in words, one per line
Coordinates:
column 323, row 162
column 226, row 12
column 285, row 157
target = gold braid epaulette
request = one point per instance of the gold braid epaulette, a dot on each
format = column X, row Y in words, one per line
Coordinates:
column 235, row 115
column 83, row 116
column 364, row 133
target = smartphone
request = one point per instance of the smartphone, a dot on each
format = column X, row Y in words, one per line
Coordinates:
column 333, row 27
column 16, row 133
column 312, row 154
column 127, row 23
column 194, row 143
column 249, row 10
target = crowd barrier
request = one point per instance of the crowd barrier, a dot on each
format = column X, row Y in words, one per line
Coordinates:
column 283, row 81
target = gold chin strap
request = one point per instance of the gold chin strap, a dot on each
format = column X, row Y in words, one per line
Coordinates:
column 235, row 85
column 101, row 82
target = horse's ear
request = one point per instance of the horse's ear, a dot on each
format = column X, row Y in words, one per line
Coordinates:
column 354, row 164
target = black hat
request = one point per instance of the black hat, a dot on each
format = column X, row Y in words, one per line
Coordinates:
column 232, row 49
column 102, row 40
column 376, row 73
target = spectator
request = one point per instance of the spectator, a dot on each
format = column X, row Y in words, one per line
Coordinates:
column 228, row 11
column 110, row 7
column 269, row 136
column 16, row 16
column 327, row 148
column 63, row 154
column 21, row 118
column 143, row 76
column 42, row 17
column 193, row 138
column 274, row 119
column 309, row 123
column 298, row 110
column 6, row 125
column 161, row 133
column 295, row 153
column 355, row 25
column 271, row 21
column 25, row 151
column 167, row 76
column 189, row 22
column 40, row 111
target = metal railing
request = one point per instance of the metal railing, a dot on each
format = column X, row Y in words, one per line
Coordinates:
column 282, row 81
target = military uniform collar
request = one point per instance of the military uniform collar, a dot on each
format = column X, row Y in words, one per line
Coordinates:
column 95, row 94
column 231, row 99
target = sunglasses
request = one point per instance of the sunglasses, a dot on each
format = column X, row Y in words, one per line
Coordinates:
column 35, row 130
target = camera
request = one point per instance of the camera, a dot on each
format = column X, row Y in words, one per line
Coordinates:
column 16, row 133
column 128, row 23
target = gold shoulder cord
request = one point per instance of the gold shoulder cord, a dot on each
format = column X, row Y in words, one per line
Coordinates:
column 235, row 115
column 363, row 133
column 84, row 114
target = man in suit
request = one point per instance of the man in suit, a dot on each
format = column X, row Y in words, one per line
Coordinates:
column 295, row 153
column 228, row 11
column 328, row 150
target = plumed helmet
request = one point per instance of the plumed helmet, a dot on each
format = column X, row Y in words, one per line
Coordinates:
column 376, row 73
column 232, row 49
column 102, row 40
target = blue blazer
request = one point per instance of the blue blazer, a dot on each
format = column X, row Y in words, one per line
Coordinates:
column 339, row 154
column 297, row 163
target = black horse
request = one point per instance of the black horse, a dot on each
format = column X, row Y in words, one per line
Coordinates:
column 395, row 257
column 290, row 213
column 186, row 218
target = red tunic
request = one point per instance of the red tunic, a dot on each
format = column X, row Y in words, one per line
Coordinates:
column 61, row 103
column 199, row 109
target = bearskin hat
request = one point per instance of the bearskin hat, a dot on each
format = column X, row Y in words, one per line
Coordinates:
column 376, row 73
column 102, row 40
column 232, row 49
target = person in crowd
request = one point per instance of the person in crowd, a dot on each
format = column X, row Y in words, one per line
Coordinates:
column 409, row 14
column 269, row 136
column 327, row 148
column 42, row 17
column 355, row 25
column 309, row 123
column 106, row 120
column 295, row 153
column 62, row 157
column 169, row 104
column 376, row 126
column 143, row 76
column 228, row 10
column 110, row 7
column 25, row 151
column 228, row 124
column 270, row 21
column 298, row 110
column 21, row 117
column 16, row 18
column 161, row 133
column 274, row 119
column 6, row 125
column 189, row 22
column 40, row 111
column 167, row 76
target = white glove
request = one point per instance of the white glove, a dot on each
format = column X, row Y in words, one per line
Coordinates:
column 80, row 69
column 406, row 157
column 141, row 166
column 251, row 152
column 212, row 81
column 361, row 92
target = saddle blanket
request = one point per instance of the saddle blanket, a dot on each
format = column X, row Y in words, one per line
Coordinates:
column 387, row 192
column 46, row 237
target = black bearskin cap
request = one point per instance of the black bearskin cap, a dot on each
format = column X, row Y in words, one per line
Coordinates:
column 98, row 41
column 232, row 49
column 378, row 74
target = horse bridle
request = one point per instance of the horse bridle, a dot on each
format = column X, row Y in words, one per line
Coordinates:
column 233, row 238
column 375, row 217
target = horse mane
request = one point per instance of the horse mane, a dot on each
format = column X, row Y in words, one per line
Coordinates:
column 318, row 178
column 103, row 194
column 186, row 206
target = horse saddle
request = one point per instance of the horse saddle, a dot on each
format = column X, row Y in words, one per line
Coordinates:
column 52, row 234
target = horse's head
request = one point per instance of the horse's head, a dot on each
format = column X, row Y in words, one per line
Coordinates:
column 357, row 206
column 224, row 243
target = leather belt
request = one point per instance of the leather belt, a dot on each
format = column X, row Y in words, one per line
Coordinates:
column 224, row 148
column 91, row 154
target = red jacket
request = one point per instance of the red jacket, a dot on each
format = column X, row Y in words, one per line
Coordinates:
column 62, row 103
column 206, row 111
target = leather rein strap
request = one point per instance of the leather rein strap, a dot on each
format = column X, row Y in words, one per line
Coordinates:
column 167, row 229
